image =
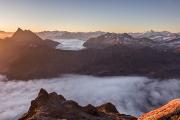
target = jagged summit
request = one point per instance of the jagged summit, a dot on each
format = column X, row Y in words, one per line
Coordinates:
column 55, row 107
column 19, row 30
column 42, row 92
column 25, row 35
column 51, row 106
column 28, row 38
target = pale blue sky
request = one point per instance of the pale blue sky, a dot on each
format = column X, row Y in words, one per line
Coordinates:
column 90, row 15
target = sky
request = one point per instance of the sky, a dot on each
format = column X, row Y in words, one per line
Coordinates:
column 90, row 15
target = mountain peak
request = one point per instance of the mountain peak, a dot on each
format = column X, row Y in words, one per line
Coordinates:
column 24, row 35
column 42, row 92
column 19, row 30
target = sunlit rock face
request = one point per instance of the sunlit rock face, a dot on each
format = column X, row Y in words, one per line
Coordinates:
column 53, row 107
column 170, row 111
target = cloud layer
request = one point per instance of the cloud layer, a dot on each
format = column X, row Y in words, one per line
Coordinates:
column 131, row 95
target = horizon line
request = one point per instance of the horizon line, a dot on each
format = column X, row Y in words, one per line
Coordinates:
column 56, row 30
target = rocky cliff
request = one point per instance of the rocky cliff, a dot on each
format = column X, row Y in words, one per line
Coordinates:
column 55, row 107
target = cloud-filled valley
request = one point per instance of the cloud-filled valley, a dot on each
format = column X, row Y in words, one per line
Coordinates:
column 131, row 95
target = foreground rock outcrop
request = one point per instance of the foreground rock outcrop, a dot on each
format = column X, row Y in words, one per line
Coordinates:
column 170, row 111
column 56, row 107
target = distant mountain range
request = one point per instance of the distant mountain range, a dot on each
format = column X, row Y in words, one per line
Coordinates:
column 154, row 35
column 69, row 35
column 26, row 56
column 59, row 34
column 111, row 39
column 157, row 36
column 158, row 40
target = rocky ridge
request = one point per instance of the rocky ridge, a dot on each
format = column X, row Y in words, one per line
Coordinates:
column 50, row 106
column 55, row 107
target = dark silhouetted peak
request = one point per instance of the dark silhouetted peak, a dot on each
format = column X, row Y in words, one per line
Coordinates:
column 29, row 39
column 43, row 92
column 25, row 35
column 108, row 107
column 54, row 108
column 19, row 30
column 42, row 98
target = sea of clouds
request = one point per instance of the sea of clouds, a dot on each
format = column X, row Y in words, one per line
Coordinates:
column 131, row 95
